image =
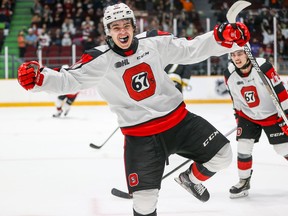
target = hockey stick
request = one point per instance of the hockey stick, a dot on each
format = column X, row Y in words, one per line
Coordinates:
column 125, row 195
column 100, row 146
column 235, row 9
column 122, row 194
column 232, row 13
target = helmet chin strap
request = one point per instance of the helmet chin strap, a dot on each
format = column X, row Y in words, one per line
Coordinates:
column 246, row 65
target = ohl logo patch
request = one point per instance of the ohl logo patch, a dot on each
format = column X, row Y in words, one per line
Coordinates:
column 121, row 63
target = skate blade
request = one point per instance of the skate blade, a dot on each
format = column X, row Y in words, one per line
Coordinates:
column 182, row 185
column 179, row 182
column 187, row 188
column 239, row 195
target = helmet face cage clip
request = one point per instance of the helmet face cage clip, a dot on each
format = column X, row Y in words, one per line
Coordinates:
column 117, row 12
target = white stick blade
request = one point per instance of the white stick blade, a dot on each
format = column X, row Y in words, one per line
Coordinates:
column 235, row 9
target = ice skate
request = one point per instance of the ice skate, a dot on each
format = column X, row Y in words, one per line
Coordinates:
column 66, row 108
column 197, row 190
column 66, row 112
column 241, row 188
column 58, row 113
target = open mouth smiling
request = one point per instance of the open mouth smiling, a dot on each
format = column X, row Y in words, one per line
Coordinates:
column 124, row 40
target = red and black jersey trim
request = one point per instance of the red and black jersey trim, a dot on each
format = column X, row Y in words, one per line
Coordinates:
column 87, row 56
column 94, row 52
column 123, row 52
column 157, row 125
column 281, row 92
column 56, row 69
column 267, row 68
column 226, row 74
column 271, row 120
column 279, row 89
column 156, row 32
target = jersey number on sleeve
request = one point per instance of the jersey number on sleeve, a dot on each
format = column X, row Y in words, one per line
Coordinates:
column 139, row 81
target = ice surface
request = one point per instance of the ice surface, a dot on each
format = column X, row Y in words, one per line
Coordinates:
column 48, row 169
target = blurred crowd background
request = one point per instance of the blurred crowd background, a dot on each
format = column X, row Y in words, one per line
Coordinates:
column 53, row 26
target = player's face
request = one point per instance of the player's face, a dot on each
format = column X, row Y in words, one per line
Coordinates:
column 121, row 32
column 239, row 58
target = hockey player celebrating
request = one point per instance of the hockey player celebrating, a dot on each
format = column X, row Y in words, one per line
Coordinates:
column 129, row 74
column 254, row 111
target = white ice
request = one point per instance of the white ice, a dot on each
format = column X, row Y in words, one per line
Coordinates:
column 48, row 169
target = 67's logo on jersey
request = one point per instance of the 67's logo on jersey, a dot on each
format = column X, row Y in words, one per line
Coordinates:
column 140, row 85
column 250, row 95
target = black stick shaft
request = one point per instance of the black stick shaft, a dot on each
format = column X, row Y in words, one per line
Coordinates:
column 100, row 146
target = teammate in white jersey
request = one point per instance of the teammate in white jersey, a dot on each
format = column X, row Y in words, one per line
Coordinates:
column 63, row 104
column 254, row 111
column 129, row 74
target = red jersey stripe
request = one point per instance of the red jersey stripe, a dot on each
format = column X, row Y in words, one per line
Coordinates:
column 158, row 125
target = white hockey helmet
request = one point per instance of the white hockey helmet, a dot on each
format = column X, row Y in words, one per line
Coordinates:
column 117, row 12
column 239, row 48
column 242, row 48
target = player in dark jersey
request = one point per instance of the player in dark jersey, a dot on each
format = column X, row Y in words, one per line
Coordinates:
column 254, row 111
column 129, row 74
column 179, row 74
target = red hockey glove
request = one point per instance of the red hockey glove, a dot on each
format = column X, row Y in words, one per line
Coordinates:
column 29, row 75
column 226, row 33
column 283, row 126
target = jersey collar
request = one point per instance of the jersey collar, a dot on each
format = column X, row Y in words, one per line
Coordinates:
column 123, row 52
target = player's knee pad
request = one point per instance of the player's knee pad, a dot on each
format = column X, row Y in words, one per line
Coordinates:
column 245, row 146
column 145, row 202
column 221, row 160
column 281, row 149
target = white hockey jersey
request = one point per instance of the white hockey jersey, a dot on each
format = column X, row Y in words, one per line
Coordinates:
column 136, row 87
column 250, row 97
